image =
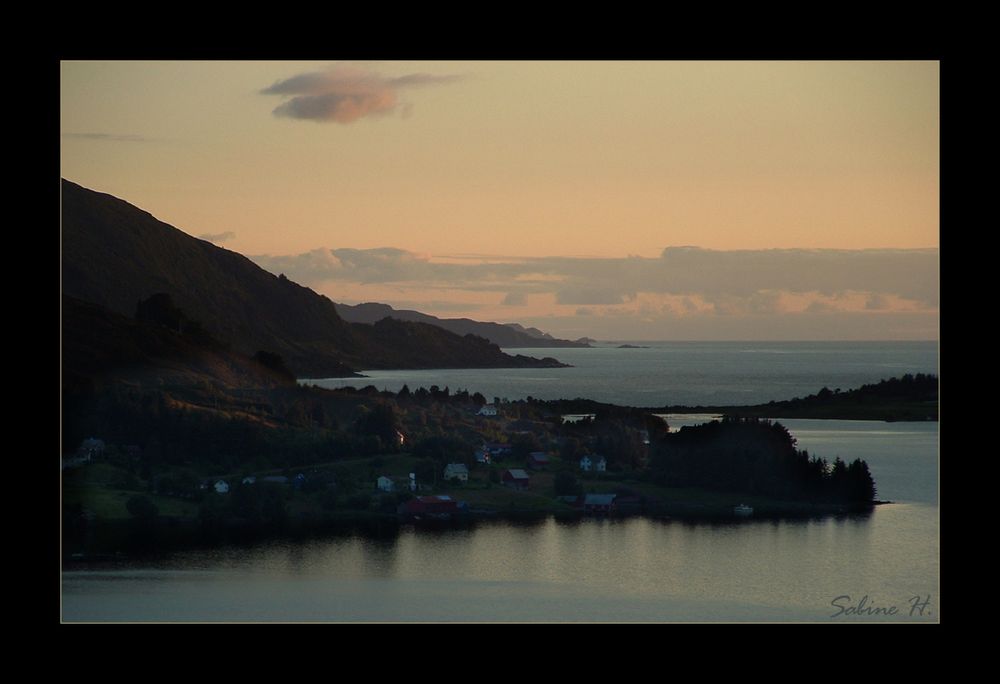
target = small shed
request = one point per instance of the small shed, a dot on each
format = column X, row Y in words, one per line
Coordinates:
column 221, row 487
column 385, row 484
column 516, row 478
column 459, row 470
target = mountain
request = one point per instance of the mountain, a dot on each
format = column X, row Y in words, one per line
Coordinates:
column 506, row 335
column 100, row 346
column 115, row 254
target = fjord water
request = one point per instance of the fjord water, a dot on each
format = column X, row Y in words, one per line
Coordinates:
column 832, row 569
column 677, row 373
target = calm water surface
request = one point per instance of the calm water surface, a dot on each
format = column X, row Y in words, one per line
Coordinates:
column 678, row 373
column 633, row 570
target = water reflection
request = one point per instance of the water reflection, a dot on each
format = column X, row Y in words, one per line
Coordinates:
column 633, row 569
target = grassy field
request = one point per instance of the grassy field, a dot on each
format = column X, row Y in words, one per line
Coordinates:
column 109, row 504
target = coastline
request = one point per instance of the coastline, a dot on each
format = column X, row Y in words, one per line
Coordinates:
column 123, row 539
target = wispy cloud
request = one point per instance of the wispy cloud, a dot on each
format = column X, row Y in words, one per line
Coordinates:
column 218, row 237
column 114, row 137
column 345, row 94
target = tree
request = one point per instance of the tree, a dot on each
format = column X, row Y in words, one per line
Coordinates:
column 141, row 508
column 565, row 483
column 381, row 421
column 523, row 444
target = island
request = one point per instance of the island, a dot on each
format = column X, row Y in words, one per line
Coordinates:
column 911, row 397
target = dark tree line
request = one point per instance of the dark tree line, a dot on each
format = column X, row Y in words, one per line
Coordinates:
column 756, row 456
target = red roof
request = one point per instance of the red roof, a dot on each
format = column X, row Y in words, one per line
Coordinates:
column 431, row 504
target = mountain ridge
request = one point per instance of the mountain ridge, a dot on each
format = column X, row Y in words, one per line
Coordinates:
column 116, row 254
column 509, row 335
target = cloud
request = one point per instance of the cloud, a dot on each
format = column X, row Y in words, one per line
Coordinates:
column 589, row 295
column 114, row 137
column 735, row 282
column 819, row 306
column 345, row 94
column 218, row 237
column 876, row 302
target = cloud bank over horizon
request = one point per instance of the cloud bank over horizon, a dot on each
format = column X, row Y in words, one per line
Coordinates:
column 875, row 293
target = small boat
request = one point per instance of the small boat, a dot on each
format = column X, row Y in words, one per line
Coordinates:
column 743, row 510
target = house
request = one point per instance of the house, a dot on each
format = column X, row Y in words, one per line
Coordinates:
column 599, row 503
column 428, row 506
column 483, row 455
column 538, row 460
column 459, row 470
column 221, row 487
column 249, row 479
column 595, row 463
column 498, row 450
column 516, row 478
column 385, row 484
column 487, row 410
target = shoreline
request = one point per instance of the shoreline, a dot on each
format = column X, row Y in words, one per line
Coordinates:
column 126, row 539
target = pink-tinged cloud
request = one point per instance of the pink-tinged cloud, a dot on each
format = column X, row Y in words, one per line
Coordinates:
column 345, row 94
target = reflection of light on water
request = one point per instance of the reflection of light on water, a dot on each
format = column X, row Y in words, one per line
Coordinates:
column 676, row 421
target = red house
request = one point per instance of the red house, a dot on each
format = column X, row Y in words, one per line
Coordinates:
column 516, row 478
column 430, row 506
column 538, row 460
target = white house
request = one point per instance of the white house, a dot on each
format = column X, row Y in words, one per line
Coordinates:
column 598, row 464
column 221, row 487
column 385, row 484
column 458, row 470
column 487, row 410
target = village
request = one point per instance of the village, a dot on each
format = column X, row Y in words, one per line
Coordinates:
column 494, row 481
column 420, row 480
column 430, row 458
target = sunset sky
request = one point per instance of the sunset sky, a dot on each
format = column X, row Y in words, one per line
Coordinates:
column 617, row 200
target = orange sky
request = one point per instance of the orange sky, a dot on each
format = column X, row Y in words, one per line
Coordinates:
column 514, row 159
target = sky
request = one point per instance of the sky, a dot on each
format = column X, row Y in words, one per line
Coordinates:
column 616, row 200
